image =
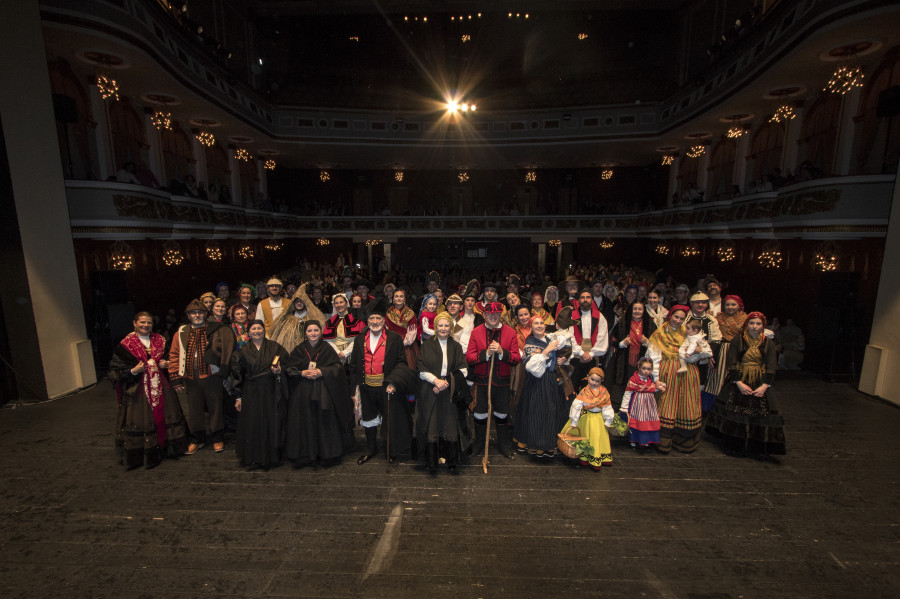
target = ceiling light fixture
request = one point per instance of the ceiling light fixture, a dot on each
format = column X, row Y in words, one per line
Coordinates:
column 783, row 114
column 844, row 80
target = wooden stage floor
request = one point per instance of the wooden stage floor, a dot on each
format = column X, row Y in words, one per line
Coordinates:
column 823, row 523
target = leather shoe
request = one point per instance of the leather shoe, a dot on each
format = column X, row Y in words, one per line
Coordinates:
column 192, row 448
column 365, row 458
column 218, row 447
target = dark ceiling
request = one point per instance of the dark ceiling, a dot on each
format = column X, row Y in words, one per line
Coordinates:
column 395, row 59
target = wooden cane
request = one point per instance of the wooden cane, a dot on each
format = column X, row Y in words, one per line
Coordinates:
column 487, row 430
column 387, row 448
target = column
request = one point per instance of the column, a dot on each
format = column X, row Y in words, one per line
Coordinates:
column 369, row 259
column 102, row 135
column 791, row 135
column 542, row 258
column 234, row 165
column 673, row 180
column 703, row 173
column 154, row 153
column 559, row 253
column 880, row 373
column 846, row 131
column 200, row 173
column 37, row 257
column 739, row 177
column 261, row 172
column 387, row 255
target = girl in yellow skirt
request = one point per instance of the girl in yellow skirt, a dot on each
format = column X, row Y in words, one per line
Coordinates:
column 592, row 412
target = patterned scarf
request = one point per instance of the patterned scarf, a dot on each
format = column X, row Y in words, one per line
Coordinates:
column 594, row 399
column 752, row 362
column 153, row 379
column 241, row 334
column 634, row 341
column 731, row 326
column 637, row 384
column 667, row 340
column 197, row 343
column 401, row 318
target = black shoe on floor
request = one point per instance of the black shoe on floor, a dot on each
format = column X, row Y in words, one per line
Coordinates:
column 365, row 458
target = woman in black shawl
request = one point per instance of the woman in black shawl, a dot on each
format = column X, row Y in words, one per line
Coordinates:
column 630, row 337
column 443, row 394
column 319, row 424
column 256, row 377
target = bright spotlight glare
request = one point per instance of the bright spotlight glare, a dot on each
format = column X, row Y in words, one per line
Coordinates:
column 472, row 107
column 464, row 107
column 452, row 106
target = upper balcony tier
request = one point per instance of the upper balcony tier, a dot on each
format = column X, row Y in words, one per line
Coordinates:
column 835, row 208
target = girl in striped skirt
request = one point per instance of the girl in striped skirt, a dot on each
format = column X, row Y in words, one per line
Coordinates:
column 638, row 407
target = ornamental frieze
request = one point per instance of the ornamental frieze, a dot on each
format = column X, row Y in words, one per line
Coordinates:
column 140, row 207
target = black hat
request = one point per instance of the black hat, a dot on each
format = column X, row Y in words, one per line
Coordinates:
column 378, row 307
column 433, row 276
column 564, row 318
column 472, row 289
column 362, row 282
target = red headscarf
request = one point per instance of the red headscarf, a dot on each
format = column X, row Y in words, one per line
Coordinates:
column 676, row 307
column 736, row 298
column 759, row 315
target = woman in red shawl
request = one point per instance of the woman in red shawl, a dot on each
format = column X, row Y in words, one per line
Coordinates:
column 150, row 424
column 630, row 338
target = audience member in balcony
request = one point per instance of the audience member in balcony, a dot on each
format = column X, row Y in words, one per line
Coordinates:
column 127, row 174
column 225, row 195
column 201, row 191
column 752, row 187
column 146, row 176
column 735, row 191
column 190, row 188
column 766, row 184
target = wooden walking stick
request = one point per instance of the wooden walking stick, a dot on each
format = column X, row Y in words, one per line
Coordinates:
column 387, row 446
column 487, row 430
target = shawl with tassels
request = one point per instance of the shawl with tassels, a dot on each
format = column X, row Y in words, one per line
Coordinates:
column 730, row 326
column 667, row 340
column 153, row 378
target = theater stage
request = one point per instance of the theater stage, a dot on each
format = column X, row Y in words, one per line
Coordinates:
column 823, row 523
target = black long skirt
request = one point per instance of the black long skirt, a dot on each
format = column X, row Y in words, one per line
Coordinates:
column 745, row 423
column 311, row 434
column 137, row 443
column 259, row 428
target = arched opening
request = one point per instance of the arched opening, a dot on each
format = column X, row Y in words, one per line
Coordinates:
column 721, row 169
column 818, row 136
column 74, row 122
column 878, row 139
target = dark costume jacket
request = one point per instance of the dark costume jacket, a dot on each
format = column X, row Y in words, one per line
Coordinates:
column 395, row 369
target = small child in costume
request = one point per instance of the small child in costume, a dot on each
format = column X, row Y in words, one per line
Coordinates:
column 592, row 412
column 638, row 407
column 693, row 339
column 426, row 318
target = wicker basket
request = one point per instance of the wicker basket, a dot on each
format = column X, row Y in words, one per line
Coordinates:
column 564, row 441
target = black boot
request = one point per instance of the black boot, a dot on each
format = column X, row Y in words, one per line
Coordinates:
column 480, row 433
column 504, row 437
column 371, row 445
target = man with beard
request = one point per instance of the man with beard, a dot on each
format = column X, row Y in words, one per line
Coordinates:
column 271, row 307
column 714, row 291
column 198, row 362
column 378, row 366
column 591, row 334
column 492, row 352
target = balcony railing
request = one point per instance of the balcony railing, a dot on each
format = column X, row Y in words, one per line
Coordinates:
column 834, row 208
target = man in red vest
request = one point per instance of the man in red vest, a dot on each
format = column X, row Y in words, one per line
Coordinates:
column 492, row 352
column 378, row 366
column 591, row 337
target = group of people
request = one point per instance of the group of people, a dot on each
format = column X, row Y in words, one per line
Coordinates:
column 554, row 370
